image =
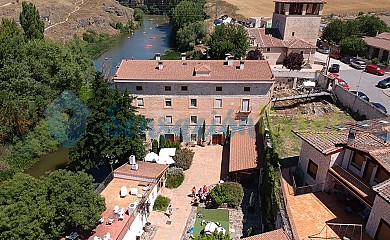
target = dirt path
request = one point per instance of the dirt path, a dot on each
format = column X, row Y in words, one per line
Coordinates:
column 76, row 8
column 7, row 4
column 205, row 169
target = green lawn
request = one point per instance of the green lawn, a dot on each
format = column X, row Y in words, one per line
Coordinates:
column 215, row 215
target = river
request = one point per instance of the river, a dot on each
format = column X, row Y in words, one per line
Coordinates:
column 155, row 33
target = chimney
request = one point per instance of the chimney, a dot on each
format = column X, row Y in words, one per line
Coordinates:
column 183, row 56
column 158, row 56
column 241, row 64
column 351, row 136
column 160, row 65
column 227, row 56
column 230, row 60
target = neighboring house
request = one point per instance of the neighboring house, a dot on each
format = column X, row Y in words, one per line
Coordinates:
column 272, row 235
column 182, row 94
column 260, row 22
column 142, row 187
column 353, row 161
column 379, row 46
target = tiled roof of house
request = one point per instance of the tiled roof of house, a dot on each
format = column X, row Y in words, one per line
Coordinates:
column 244, row 151
column 383, row 190
column 145, row 169
column 264, row 39
column 324, row 142
column 381, row 41
column 272, row 235
column 254, row 70
column 300, row 1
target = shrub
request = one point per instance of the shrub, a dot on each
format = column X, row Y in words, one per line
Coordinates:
column 169, row 144
column 155, row 146
column 228, row 192
column 183, row 158
column 175, row 177
column 375, row 61
column 161, row 203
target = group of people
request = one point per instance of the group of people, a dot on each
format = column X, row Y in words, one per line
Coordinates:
column 199, row 195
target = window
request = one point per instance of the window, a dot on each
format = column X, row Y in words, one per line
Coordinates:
column 357, row 160
column 184, row 88
column 312, row 169
column 168, row 88
column 140, row 102
column 138, row 88
column 193, row 103
column 218, row 89
column 301, row 52
column 247, row 89
column 292, row 34
column 218, row 103
column 217, row 120
column 194, row 119
column 193, row 137
column 168, row 102
column 268, row 49
column 168, row 119
column 243, row 120
column 245, row 105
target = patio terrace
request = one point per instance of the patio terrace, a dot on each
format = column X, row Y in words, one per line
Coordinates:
column 309, row 213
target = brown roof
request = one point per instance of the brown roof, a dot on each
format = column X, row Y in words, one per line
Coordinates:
column 145, row 169
column 243, row 151
column 325, row 142
column 272, row 235
column 300, row 1
column 383, row 189
column 176, row 70
column 297, row 43
column 381, row 41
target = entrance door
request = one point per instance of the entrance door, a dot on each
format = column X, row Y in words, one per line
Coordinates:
column 368, row 171
column 383, row 231
column 217, row 139
column 170, row 137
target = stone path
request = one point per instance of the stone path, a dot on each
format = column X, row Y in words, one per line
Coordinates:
column 205, row 170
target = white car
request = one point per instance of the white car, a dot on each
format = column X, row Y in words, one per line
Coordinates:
column 358, row 64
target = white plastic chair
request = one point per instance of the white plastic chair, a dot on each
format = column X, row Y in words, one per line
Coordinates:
column 133, row 191
column 107, row 236
column 123, row 192
column 116, row 209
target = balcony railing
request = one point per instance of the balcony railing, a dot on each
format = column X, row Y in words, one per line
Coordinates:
column 245, row 110
column 358, row 187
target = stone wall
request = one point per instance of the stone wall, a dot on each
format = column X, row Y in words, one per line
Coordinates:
column 380, row 210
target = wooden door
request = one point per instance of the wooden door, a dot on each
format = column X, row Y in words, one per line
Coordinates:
column 170, row 137
column 217, row 139
column 383, row 231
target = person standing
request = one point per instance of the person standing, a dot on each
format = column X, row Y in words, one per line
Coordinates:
column 170, row 210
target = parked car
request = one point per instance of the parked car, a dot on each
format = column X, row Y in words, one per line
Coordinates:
column 358, row 64
column 385, row 83
column 347, row 59
column 362, row 95
column 380, row 106
column 374, row 69
column 334, row 68
column 343, row 84
column 335, row 56
column 323, row 50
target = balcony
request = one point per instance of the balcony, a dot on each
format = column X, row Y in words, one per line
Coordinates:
column 244, row 110
column 358, row 188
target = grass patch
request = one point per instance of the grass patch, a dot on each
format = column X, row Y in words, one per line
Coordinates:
column 215, row 215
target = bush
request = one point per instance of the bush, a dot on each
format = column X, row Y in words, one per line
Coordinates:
column 161, row 203
column 228, row 192
column 175, row 177
column 138, row 14
column 183, row 158
column 375, row 61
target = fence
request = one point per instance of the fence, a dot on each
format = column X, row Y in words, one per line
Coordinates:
column 298, row 190
column 104, row 184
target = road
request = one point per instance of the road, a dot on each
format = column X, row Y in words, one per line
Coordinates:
column 367, row 81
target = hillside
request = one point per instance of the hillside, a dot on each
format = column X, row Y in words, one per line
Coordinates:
column 64, row 18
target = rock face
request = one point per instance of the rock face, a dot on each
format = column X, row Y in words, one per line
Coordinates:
column 65, row 18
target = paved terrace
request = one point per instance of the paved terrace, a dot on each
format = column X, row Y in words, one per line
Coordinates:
column 205, row 170
column 310, row 212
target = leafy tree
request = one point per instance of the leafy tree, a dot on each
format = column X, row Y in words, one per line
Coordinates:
column 214, row 236
column 183, row 158
column 231, row 193
column 181, row 136
column 190, row 35
column 203, row 130
column 293, row 61
column 155, row 146
column 175, row 177
column 184, row 13
column 113, row 129
column 228, row 39
column 353, row 45
column 31, row 23
column 371, row 25
column 161, row 203
column 138, row 14
column 255, row 55
column 334, row 32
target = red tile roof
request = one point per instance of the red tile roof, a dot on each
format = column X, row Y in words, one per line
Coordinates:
column 381, row 41
column 146, row 169
column 272, row 235
column 300, row 1
column 298, row 43
column 383, row 189
column 254, row 70
column 325, row 142
column 243, row 151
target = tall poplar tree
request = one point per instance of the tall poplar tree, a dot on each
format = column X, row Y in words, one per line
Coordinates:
column 31, row 22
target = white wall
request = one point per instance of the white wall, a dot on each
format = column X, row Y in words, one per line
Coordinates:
column 152, row 197
column 136, row 228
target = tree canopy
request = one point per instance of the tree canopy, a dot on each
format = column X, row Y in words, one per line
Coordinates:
column 353, row 45
column 255, row 55
column 44, row 208
column 31, row 22
column 113, row 129
column 293, row 61
column 184, row 13
column 190, row 35
column 228, row 39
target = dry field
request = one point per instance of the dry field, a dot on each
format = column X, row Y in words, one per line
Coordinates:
column 251, row 8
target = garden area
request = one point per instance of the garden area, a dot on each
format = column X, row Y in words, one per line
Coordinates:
column 218, row 216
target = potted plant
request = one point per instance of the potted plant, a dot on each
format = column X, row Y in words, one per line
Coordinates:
column 203, row 134
column 148, row 227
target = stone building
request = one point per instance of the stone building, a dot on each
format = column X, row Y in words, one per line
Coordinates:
column 379, row 46
column 181, row 95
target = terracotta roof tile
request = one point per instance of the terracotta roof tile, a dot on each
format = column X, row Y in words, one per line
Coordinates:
column 272, row 235
column 298, row 43
column 243, row 151
column 383, row 189
column 325, row 142
column 176, row 70
column 263, row 39
column 145, row 169
column 381, row 41
column 300, row 1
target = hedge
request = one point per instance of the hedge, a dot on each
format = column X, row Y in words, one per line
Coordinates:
column 175, row 177
column 231, row 193
column 161, row 203
column 183, row 158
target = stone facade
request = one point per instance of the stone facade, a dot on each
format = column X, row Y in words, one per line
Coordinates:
column 380, row 210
